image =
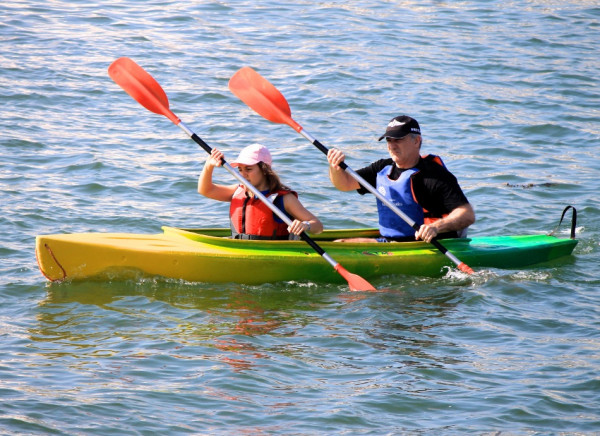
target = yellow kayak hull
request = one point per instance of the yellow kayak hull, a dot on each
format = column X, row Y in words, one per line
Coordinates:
column 207, row 255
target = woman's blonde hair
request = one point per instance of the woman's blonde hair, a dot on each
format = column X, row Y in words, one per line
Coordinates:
column 273, row 180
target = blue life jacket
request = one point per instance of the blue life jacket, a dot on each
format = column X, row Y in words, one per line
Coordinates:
column 400, row 193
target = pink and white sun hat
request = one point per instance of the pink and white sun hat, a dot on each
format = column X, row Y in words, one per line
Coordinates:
column 252, row 155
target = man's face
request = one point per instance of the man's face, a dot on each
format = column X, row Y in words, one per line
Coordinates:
column 404, row 151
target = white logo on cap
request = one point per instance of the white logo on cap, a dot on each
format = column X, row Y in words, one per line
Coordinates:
column 395, row 123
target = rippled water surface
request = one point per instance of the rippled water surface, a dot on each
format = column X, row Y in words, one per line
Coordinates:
column 506, row 92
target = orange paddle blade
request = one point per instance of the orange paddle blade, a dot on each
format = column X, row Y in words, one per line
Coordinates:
column 355, row 282
column 261, row 96
column 141, row 86
column 465, row 268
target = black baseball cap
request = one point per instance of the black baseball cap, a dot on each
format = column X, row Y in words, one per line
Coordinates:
column 400, row 126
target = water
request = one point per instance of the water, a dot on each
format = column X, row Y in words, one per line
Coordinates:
column 506, row 93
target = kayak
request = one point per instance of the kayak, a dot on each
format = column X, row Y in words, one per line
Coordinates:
column 209, row 255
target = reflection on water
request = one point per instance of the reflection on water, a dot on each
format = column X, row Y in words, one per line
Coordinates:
column 145, row 319
column 102, row 319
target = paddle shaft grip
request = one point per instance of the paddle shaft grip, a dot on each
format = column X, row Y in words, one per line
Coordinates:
column 320, row 146
column 201, row 143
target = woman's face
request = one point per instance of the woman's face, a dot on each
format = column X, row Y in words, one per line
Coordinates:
column 254, row 175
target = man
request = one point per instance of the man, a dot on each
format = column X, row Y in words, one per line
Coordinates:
column 421, row 187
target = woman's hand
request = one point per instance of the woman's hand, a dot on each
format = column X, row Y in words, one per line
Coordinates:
column 216, row 158
column 298, row 227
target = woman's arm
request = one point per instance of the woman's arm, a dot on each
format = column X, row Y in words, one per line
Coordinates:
column 206, row 186
column 304, row 220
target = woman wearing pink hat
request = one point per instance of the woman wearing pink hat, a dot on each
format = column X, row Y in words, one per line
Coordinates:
column 250, row 217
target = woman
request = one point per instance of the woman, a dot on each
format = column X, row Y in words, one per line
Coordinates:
column 250, row 217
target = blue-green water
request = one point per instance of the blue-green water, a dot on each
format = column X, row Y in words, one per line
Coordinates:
column 506, row 92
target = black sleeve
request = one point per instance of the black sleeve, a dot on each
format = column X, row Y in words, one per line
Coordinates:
column 438, row 191
column 369, row 173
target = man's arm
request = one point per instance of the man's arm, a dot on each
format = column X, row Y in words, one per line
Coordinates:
column 340, row 178
column 460, row 218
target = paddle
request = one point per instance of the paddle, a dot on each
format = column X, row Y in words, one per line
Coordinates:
column 259, row 94
column 145, row 90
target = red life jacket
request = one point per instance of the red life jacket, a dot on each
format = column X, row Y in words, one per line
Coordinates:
column 252, row 219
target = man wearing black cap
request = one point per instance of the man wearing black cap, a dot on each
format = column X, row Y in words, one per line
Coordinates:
column 420, row 186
